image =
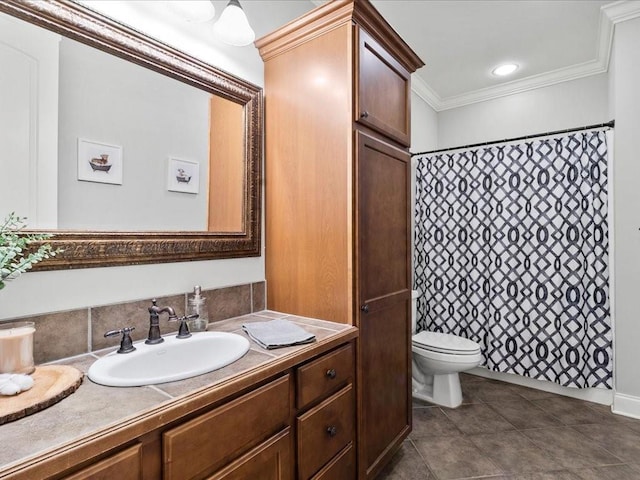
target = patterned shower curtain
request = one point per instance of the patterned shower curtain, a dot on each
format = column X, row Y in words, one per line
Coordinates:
column 512, row 251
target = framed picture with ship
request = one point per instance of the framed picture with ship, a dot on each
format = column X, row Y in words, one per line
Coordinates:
column 99, row 162
column 183, row 176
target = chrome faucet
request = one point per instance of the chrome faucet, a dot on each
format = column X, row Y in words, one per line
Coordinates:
column 154, row 322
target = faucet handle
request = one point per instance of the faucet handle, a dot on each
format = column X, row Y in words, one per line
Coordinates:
column 126, row 344
column 183, row 329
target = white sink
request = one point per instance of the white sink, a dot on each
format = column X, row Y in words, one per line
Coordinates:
column 174, row 359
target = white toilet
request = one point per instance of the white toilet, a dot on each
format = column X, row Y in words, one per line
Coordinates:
column 437, row 359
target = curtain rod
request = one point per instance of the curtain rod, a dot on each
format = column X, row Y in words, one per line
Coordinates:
column 610, row 124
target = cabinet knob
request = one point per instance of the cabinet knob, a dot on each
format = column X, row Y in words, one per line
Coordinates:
column 332, row 431
column 365, row 308
column 364, row 114
column 331, row 373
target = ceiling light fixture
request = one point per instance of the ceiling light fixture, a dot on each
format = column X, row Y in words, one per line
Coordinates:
column 233, row 27
column 506, row 69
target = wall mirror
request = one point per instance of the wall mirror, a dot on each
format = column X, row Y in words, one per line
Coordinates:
column 143, row 154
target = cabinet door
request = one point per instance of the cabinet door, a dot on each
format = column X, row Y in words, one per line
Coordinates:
column 208, row 442
column 269, row 461
column 382, row 258
column 324, row 431
column 384, row 91
column 125, row 465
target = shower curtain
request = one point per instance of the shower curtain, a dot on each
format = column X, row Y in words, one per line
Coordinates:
column 512, row 251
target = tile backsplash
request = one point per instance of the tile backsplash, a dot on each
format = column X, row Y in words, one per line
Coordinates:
column 74, row 332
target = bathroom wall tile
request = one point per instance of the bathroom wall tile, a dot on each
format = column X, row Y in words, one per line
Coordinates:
column 570, row 448
column 523, row 414
column 259, row 294
column 514, row 453
column 623, row 442
column 228, row 302
column 477, row 418
column 406, row 465
column 131, row 314
column 455, row 457
column 60, row 335
column 430, row 421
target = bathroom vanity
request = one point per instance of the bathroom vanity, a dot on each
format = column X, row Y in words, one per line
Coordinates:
column 273, row 414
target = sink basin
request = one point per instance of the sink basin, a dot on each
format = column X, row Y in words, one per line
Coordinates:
column 174, row 359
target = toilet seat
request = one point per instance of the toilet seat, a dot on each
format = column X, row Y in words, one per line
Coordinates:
column 445, row 343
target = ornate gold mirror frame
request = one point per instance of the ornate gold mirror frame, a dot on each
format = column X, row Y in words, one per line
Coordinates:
column 82, row 249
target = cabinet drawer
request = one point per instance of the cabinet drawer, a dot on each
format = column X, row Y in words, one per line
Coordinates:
column 211, row 440
column 325, row 375
column 270, row 460
column 125, row 465
column 325, row 430
column 343, row 466
column 384, row 89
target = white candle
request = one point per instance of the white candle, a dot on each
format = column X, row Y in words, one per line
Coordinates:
column 16, row 347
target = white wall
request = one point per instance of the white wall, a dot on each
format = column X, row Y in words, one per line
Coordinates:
column 424, row 125
column 626, row 97
column 565, row 105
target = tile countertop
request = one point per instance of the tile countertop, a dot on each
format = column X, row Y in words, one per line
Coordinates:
column 94, row 407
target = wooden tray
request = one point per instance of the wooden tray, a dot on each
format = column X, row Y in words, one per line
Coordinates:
column 51, row 384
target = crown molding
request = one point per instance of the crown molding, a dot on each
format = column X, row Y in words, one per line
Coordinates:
column 610, row 15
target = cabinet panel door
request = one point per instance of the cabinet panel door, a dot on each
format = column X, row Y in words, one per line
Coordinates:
column 342, row 466
column 125, row 465
column 270, row 460
column 384, row 89
column 324, row 431
column 383, row 232
column 208, row 442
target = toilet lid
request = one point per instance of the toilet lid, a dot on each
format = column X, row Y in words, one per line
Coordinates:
column 445, row 343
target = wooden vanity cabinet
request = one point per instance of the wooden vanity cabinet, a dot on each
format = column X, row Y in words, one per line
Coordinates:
column 212, row 440
column 287, row 419
column 337, row 187
column 124, row 465
column 326, row 420
column 271, row 460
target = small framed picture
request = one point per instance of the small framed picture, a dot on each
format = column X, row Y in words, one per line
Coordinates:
column 183, row 176
column 99, row 162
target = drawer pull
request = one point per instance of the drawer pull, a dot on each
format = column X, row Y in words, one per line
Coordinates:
column 332, row 431
column 364, row 114
column 331, row 373
column 365, row 308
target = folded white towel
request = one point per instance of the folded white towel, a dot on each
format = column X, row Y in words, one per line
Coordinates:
column 277, row 333
column 13, row 383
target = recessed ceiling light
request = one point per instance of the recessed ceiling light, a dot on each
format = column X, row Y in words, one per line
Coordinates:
column 505, row 69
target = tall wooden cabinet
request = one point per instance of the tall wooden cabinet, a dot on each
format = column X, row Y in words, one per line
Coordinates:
column 337, row 105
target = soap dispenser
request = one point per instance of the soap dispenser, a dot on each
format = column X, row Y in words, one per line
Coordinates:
column 197, row 304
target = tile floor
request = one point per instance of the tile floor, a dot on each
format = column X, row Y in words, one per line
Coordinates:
column 504, row 431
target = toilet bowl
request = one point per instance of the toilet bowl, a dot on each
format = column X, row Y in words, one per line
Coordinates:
column 437, row 360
